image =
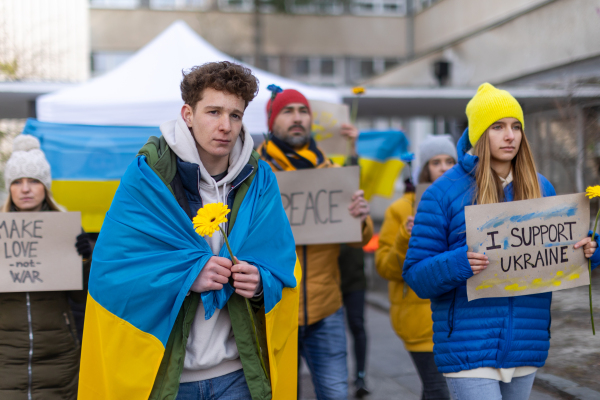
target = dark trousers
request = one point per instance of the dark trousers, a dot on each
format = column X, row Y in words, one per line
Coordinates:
column 434, row 383
column 354, row 302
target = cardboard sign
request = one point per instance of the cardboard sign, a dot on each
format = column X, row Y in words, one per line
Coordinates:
column 327, row 121
column 529, row 245
column 316, row 202
column 419, row 190
column 37, row 251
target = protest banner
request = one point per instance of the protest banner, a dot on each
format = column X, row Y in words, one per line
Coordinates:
column 327, row 121
column 419, row 190
column 529, row 245
column 38, row 251
column 316, row 202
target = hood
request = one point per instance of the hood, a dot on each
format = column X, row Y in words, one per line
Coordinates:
column 182, row 142
column 466, row 160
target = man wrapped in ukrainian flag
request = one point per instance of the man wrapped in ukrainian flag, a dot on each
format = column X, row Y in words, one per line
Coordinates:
column 168, row 319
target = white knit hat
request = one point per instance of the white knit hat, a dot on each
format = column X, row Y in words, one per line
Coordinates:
column 27, row 161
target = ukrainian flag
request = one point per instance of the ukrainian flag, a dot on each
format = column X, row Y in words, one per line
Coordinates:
column 145, row 261
column 380, row 162
column 87, row 163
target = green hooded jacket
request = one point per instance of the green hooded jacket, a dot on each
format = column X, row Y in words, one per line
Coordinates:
column 166, row 385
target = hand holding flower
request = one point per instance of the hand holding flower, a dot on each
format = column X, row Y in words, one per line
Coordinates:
column 213, row 276
column 589, row 246
column 246, row 278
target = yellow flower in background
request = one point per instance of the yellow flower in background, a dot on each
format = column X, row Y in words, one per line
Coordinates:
column 358, row 90
column 593, row 191
column 209, row 218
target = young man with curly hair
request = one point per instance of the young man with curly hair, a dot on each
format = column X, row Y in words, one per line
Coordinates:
column 217, row 346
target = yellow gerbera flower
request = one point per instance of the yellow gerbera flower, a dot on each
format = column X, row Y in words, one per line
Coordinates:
column 593, row 191
column 358, row 90
column 209, row 218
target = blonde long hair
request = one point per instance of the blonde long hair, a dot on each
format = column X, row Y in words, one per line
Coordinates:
column 525, row 179
column 52, row 204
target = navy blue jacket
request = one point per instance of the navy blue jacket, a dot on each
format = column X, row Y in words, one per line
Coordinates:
column 502, row 332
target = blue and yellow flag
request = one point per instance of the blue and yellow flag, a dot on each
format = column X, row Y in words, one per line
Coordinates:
column 145, row 261
column 380, row 162
column 87, row 163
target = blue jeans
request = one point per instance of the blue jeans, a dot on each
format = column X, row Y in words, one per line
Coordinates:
column 323, row 346
column 490, row 389
column 227, row 387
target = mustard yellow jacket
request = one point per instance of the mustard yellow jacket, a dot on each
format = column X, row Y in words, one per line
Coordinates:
column 410, row 315
column 320, row 294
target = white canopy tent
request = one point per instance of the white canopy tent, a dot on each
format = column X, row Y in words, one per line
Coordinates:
column 144, row 90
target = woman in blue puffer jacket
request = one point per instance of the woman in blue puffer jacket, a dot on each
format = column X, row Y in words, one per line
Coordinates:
column 487, row 348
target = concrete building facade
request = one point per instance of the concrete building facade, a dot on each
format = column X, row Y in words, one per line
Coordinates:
column 44, row 40
column 323, row 42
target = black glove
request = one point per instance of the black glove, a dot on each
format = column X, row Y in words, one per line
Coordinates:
column 84, row 248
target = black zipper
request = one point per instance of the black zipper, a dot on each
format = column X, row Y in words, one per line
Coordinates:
column 304, row 288
column 451, row 314
column 68, row 323
column 549, row 324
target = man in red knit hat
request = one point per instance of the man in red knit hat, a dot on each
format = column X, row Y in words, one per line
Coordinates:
column 321, row 332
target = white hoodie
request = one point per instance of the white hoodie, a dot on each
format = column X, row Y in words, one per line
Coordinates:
column 211, row 350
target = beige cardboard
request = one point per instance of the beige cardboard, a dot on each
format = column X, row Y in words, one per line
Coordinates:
column 327, row 121
column 502, row 231
column 316, row 202
column 37, row 251
column 419, row 190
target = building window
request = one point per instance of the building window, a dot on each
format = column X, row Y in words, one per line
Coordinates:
column 315, row 6
column 266, row 6
column 327, row 67
column 236, row 5
column 366, row 68
column 127, row 4
column 104, row 61
column 378, row 7
column 421, row 5
column 178, row 4
column 390, row 63
column 302, row 66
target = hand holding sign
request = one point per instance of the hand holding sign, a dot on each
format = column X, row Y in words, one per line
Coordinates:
column 351, row 134
column 359, row 208
column 478, row 262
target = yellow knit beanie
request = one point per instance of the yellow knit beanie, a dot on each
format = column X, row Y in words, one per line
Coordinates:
column 488, row 106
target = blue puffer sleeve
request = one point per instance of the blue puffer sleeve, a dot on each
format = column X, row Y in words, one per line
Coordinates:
column 431, row 268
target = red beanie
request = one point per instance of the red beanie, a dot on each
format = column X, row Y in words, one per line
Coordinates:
column 284, row 98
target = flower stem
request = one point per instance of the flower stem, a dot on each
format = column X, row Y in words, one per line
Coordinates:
column 590, row 272
column 354, row 110
column 248, row 307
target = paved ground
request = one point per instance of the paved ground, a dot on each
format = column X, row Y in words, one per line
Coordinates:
column 390, row 372
column 574, row 351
